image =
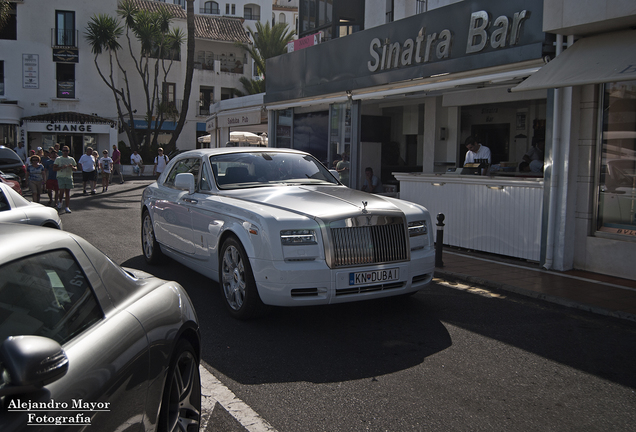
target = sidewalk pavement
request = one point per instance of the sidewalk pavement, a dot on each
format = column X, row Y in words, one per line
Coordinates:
column 583, row 290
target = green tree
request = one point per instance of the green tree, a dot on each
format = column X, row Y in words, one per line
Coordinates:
column 158, row 47
column 269, row 41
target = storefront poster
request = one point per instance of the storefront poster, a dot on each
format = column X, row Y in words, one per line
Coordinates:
column 30, row 71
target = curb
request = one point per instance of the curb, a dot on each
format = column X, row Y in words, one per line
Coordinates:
column 453, row 276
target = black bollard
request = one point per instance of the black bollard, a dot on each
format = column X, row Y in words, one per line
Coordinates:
column 439, row 241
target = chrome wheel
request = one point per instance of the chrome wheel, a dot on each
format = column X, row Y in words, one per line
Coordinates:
column 233, row 277
column 181, row 406
column 149, row 244
column 237, row 281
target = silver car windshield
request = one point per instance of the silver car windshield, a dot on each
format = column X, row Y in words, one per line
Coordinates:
column 259, row 169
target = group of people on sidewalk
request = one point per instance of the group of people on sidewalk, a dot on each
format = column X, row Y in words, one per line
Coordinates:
column 52, row 172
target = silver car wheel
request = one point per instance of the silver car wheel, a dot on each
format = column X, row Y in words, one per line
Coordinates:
column 237, row 281
column 233, row 277
column 149, row 244
column 182, row 396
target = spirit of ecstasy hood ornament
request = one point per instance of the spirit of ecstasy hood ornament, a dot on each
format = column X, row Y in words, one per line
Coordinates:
column 364, row 209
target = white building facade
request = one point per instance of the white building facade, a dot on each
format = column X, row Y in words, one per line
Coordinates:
column 50, row 89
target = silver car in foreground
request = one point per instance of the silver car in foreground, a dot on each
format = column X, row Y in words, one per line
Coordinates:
column 14, row 208
column 88, row 345
column 275, row 227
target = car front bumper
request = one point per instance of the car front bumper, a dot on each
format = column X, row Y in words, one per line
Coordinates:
column 297, row 283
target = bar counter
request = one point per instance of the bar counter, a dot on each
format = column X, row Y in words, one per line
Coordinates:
column 497, row 214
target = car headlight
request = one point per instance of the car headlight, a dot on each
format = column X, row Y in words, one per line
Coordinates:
column 417, row 228
column 298, row 237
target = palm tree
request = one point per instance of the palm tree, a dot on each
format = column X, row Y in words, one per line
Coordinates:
column 269, row 41
column 159, row 48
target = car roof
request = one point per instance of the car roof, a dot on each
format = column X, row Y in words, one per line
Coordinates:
column 20, row 240
column 231, row 150
column 18, row 200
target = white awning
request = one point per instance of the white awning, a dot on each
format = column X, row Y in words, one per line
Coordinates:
column 610, row 57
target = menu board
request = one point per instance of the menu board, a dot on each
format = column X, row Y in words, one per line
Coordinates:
column 30, row 71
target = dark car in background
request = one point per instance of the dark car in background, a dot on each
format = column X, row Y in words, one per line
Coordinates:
column 10, row 163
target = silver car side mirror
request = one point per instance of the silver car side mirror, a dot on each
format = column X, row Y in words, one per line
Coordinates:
column 30, row 362
column 185, row 181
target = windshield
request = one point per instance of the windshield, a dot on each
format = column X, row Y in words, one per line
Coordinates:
column 258, row 169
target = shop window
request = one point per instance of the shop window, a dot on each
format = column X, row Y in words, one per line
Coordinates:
column 283, row 128
column 1, row 78
column 310, row 133
column 65, row 80
column 65, row 28
column 617, row 176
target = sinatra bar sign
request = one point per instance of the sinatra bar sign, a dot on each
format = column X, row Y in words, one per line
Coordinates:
column 424, row 48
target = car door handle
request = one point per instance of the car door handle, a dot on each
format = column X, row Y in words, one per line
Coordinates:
column 190, row 200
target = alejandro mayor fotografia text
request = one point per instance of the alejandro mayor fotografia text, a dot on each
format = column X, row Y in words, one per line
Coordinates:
column 73, row 412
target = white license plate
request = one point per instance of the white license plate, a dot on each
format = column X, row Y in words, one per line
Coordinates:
column 374, row 276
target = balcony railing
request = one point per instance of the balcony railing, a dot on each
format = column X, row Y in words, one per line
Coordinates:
column 253, row 17
column 64, row 37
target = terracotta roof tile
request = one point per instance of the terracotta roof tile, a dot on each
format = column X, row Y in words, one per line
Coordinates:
column 216, row 28
column 154, row 6
column 220, row 29
column 68, row 117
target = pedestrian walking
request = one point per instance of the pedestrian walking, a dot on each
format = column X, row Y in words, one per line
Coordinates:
column 106, row 167
column 117, row 165
column 87, row 165
column 161, row 160
column 36, row 177
column 65, row 165
column 22, row 152
column 51, row 177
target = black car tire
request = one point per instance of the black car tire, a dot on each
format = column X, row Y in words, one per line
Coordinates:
column 181, row 400
column 150, row 246
column 237, row 281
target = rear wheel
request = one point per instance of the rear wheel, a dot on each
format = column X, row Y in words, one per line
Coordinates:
column 151, row 249
column 237, row 281
column 181, row 402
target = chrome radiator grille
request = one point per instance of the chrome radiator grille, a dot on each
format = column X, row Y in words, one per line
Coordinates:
column 373, row 244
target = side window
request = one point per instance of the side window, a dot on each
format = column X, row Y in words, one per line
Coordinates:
column 190, row 165
column 46, row 295
column 4, row 203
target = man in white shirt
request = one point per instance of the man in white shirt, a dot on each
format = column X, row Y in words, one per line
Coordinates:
column 87, row 165
column 137, row 162
column 21, row 151
column 160, row 163
column 476, row 151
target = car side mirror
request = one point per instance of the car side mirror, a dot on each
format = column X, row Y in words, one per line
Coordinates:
column 185, row 181
column 30, row 362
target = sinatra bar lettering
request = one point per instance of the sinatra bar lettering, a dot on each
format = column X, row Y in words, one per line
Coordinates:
column 427, row 47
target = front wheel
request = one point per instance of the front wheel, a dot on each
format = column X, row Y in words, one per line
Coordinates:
column 149, row 244
column 181, row 401
column 237, row 281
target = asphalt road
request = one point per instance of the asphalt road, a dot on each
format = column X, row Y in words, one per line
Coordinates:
column 443, row 359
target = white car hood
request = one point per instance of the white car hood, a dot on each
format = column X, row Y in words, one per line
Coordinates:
column 315, row 201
